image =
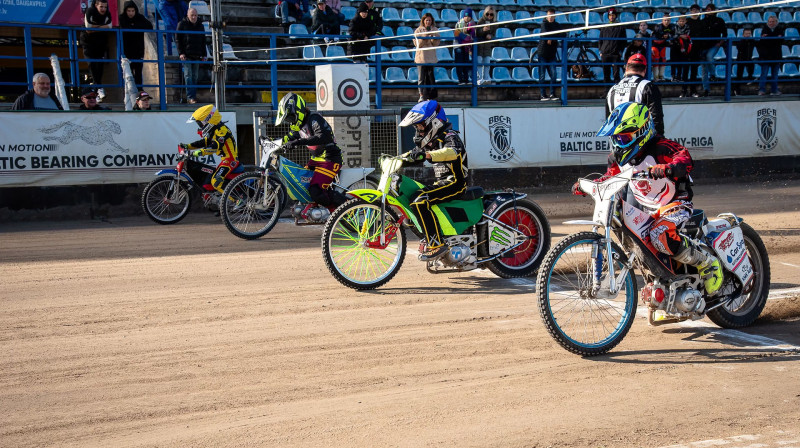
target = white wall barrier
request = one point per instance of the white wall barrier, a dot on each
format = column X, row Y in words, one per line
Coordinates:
column 80, row 148
column 562, row 136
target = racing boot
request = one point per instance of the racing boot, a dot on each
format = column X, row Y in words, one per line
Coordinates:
column 708, row 266
column 434, row 250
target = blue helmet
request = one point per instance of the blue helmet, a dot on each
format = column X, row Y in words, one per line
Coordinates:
column 630, row 127
column 431, row 116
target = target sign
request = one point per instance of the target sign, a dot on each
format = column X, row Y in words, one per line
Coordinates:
column 350, row 92
column 322, row 93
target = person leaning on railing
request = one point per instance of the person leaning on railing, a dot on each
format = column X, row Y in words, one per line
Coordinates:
column 769, row 50
column 133, row 42
column 424, row 37
column 484, row 33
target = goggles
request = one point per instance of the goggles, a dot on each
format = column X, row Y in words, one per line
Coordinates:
column 624, row 140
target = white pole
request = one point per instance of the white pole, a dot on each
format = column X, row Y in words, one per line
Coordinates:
column 130, row 84
column 61, row 92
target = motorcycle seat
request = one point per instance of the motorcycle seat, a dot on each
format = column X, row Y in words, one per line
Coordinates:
column 697, row 220
column 472, row 193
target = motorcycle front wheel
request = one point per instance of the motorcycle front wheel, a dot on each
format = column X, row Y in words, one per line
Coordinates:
column 251, row 205
column 582, row 318
column 166, row 199
column 352, row 249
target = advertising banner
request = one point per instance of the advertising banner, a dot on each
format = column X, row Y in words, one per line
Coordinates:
column 343, row 87
column 513, row 138
column 56, row 12
column 81, row 148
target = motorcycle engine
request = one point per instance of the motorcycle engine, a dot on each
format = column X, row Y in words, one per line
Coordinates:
column 689, row 300
column 458, row 254
column 318, row 214
column 297, row 210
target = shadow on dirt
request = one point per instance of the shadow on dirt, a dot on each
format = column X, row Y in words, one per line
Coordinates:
column 461, row 285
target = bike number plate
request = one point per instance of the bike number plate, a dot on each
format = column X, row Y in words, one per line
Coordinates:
column 729, row 246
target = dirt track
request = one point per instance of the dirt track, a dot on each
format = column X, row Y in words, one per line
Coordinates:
column 132, row 334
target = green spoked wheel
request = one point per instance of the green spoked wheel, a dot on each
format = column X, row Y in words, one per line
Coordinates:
column 352, row 247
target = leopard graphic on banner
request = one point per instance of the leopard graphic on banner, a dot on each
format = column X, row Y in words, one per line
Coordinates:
column 767, row 120
column 500, row 137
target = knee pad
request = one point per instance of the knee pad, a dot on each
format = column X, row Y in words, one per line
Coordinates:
column 218, row 180
column 319, row 195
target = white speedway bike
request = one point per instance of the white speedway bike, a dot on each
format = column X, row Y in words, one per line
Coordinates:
column 587, row 284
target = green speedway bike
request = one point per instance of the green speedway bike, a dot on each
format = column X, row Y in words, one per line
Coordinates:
column 364, row 241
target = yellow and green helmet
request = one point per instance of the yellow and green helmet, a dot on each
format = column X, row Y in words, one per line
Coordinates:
column 292, row 110
column 630, row 127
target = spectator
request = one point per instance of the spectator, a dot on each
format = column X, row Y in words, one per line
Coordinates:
column 142, row 101
column 133, row 42
column 484, row 33
column 744, row 58
column 681, row 49
column 374, row 16
column 636, row 47
column 422, row 39
column 612, row 42
column 547, row 54
column 361, row 29
column 89, row 100
column 644, row 30
column 41, row 97
column 713, row 27
column 293, row 8
column 95, row 43
column 324, row 20
column 336, row 7
column 663, row 34
column 464, row 36
column 635, row 88
column 171, row 12
column 769, row 50
column 695, row 55
column 191, row 47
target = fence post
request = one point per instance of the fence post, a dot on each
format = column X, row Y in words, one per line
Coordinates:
column 162, row 76
column 564, row 70
column 273, row 73
column 29, row 55
column 728, row 66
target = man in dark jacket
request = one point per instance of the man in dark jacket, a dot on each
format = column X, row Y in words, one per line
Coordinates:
column 769, row 50
column 634, row 88
column 547, row 53
column 95, row 43
column 191, row 48
column 41, row 97
column 374, row 15
column 744, row 59
column 612, row 42
column 324, row 20
column 133, row 42
column 89, row 100
column 292, row 8
column 713, row 27
column 696, row 30
column 361, row 29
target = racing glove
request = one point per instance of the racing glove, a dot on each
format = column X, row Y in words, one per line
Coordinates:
column 197, row 152
column 183, row 146
column 576, row 189
column 660, row 171
column 417, row 154
column 291, row 144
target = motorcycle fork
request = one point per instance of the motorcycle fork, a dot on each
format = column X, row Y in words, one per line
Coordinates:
column 614, row 281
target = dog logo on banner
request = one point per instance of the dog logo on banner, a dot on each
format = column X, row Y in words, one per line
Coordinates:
column 500, row 137
column 98, row 134
column 767, row 120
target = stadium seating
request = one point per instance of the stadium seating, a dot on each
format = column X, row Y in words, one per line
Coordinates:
column 404, row 55
column 503, row 33
column 380, row 49
column 395, row 75
column 434, row 12
column 796, row 52
column 312, row 52
column 521, row 74
column 755, row 18
column 390, row 15
column 520, row 54
column 525, row 3
column 446, row 33
column 443, row 54
column 521, row 32
column 410, row 16
column 349, row 12
column 405, row 31
column 790, row 70
column 500, row 54
column 413, row 75
column 449, row 16
column 296, row 30
column 335, row 51
column 642, row 16
column 504, row 16
column 792, row 33
column 227, row 52
column 523, row 15
column 387, row 31
column 201, row 7
column 440, row 73
column 500, row 75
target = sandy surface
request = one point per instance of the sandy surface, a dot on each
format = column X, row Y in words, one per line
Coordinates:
column 126, row 333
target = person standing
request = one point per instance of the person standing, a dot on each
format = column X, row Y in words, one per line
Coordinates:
column 769, row 50
column 425, row 37
column 663, row 34
column 681, row 49
column 171, row 12
column 95, row 43
column 361, row 29
column 374, row 15
column 612, row 42
column 324, row 20
column 462, row 54
column 713, row 27
column 484, row 33
column 696, row 30
column 635, row 88
column 744, row 58
column 547, row 54
column 192, row 49
column 133, row 42
column 40, row 97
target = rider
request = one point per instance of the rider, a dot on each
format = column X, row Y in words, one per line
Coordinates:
column 310, row 129
column 668, row 197
column 216, row 139
column 438, row 143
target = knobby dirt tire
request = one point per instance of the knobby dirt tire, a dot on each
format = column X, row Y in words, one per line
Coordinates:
column 238, row 190
column 153, row 198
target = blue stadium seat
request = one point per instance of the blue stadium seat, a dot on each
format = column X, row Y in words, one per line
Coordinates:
column 297, row 29
column 626, row 17
column 796, row 51
column 525, row 3
column 520, row 54
column 440, row 73
column 720, row 56
column 395, row 75
column 523, row 15
column 592, row 3
column 755, row 53
column 656, row 3
column 404, row 31
column 443, row 54
column 312, row 52
column 630, row 34
column 410, row 15
column 719, row 71
column 734, row 53
column 767, row 15
column 434, row 12
column 521, row 32
column 506, row 3
column 731, row 33
column 521, row 74
column 755, row 18
column 502, row 33
column 535, row 74
column 724, row 16
column 335, row 51
column 449, row 16
column 446, row 33
column 380, row 49
column 504, row 16
column 721, row 4
column 738, row 18
column 559, row 3
column 575, row 18
column 228, row 53
column 390, row 15
column 657, row 15
column 536, row 15
column 790, row 70
column 796, row 17
column 595, row 19
column 576, row 3
column 453, row 75
column 201, row 7
column 387, row 31
column 413, row 75
column 594, row 33
column 372, row 75
column 791, row 33
column 785, row 52
column 500, row 74
column 349, row 12
column 500, row 54
column 757, row 32
column 404, row 55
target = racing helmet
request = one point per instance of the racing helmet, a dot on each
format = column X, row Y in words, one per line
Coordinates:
column 207, row 118
column 430, row 115
column 630, row 127
column 292, row 110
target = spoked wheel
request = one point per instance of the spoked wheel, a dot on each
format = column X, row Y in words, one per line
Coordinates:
column 582, row 316
column 166, row 199
column 746, row 308
column 352, row 249
column 250, row 208
column 528, row 218
column 370, row 183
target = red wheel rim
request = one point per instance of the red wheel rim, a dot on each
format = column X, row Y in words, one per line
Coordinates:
column 527, row 224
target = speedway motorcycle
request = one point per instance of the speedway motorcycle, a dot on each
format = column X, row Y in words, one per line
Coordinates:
column 168, row 198
column 364, row 241
column 587, row 284
column 254, row 201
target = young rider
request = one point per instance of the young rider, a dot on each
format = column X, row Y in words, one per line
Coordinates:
column 310, row 129
column 668, row 196
column 217, row 139
column 439, row 144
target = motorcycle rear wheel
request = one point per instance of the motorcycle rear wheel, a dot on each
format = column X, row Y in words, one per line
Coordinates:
column 346, row 240
column 744, row 310
column 245, row 212
column 525, row 259
column 166, row 200
column 580, row 322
